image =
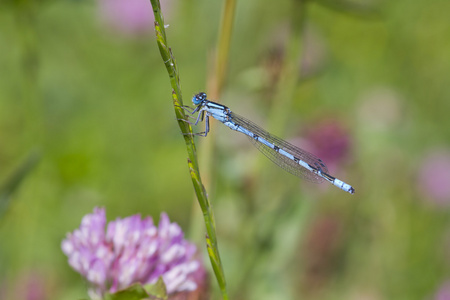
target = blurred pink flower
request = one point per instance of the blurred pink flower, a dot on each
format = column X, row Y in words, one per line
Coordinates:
column 29, row 285
column 330, row 141
column 321, row 251
column 132, row 250
column 130, row 17
column 443, row 292
column 434, row 177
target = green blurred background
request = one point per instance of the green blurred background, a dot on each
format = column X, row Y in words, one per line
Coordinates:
column 86, row 120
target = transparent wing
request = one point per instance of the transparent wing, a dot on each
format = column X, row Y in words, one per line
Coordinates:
column 279, row 159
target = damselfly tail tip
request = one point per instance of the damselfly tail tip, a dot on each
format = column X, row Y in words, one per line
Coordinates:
column 343, row 186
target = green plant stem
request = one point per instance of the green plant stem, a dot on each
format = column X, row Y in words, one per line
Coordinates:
column 217, row 83
column 290, row 72
column 172, row 69
column 223, row 45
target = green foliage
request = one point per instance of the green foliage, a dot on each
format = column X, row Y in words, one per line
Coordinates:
column 12, row 183
column 155, row 291
column 158, row 290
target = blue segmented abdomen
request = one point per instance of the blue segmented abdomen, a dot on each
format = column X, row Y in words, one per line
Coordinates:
column 289, row 157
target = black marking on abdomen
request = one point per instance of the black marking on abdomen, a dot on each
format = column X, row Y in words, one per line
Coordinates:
column 319, row 166
column 315, row 169
column 255, row 136
column 296, row 159
column 276, row 148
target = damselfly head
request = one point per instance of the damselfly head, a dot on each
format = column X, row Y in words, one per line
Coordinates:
column 197, row 99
